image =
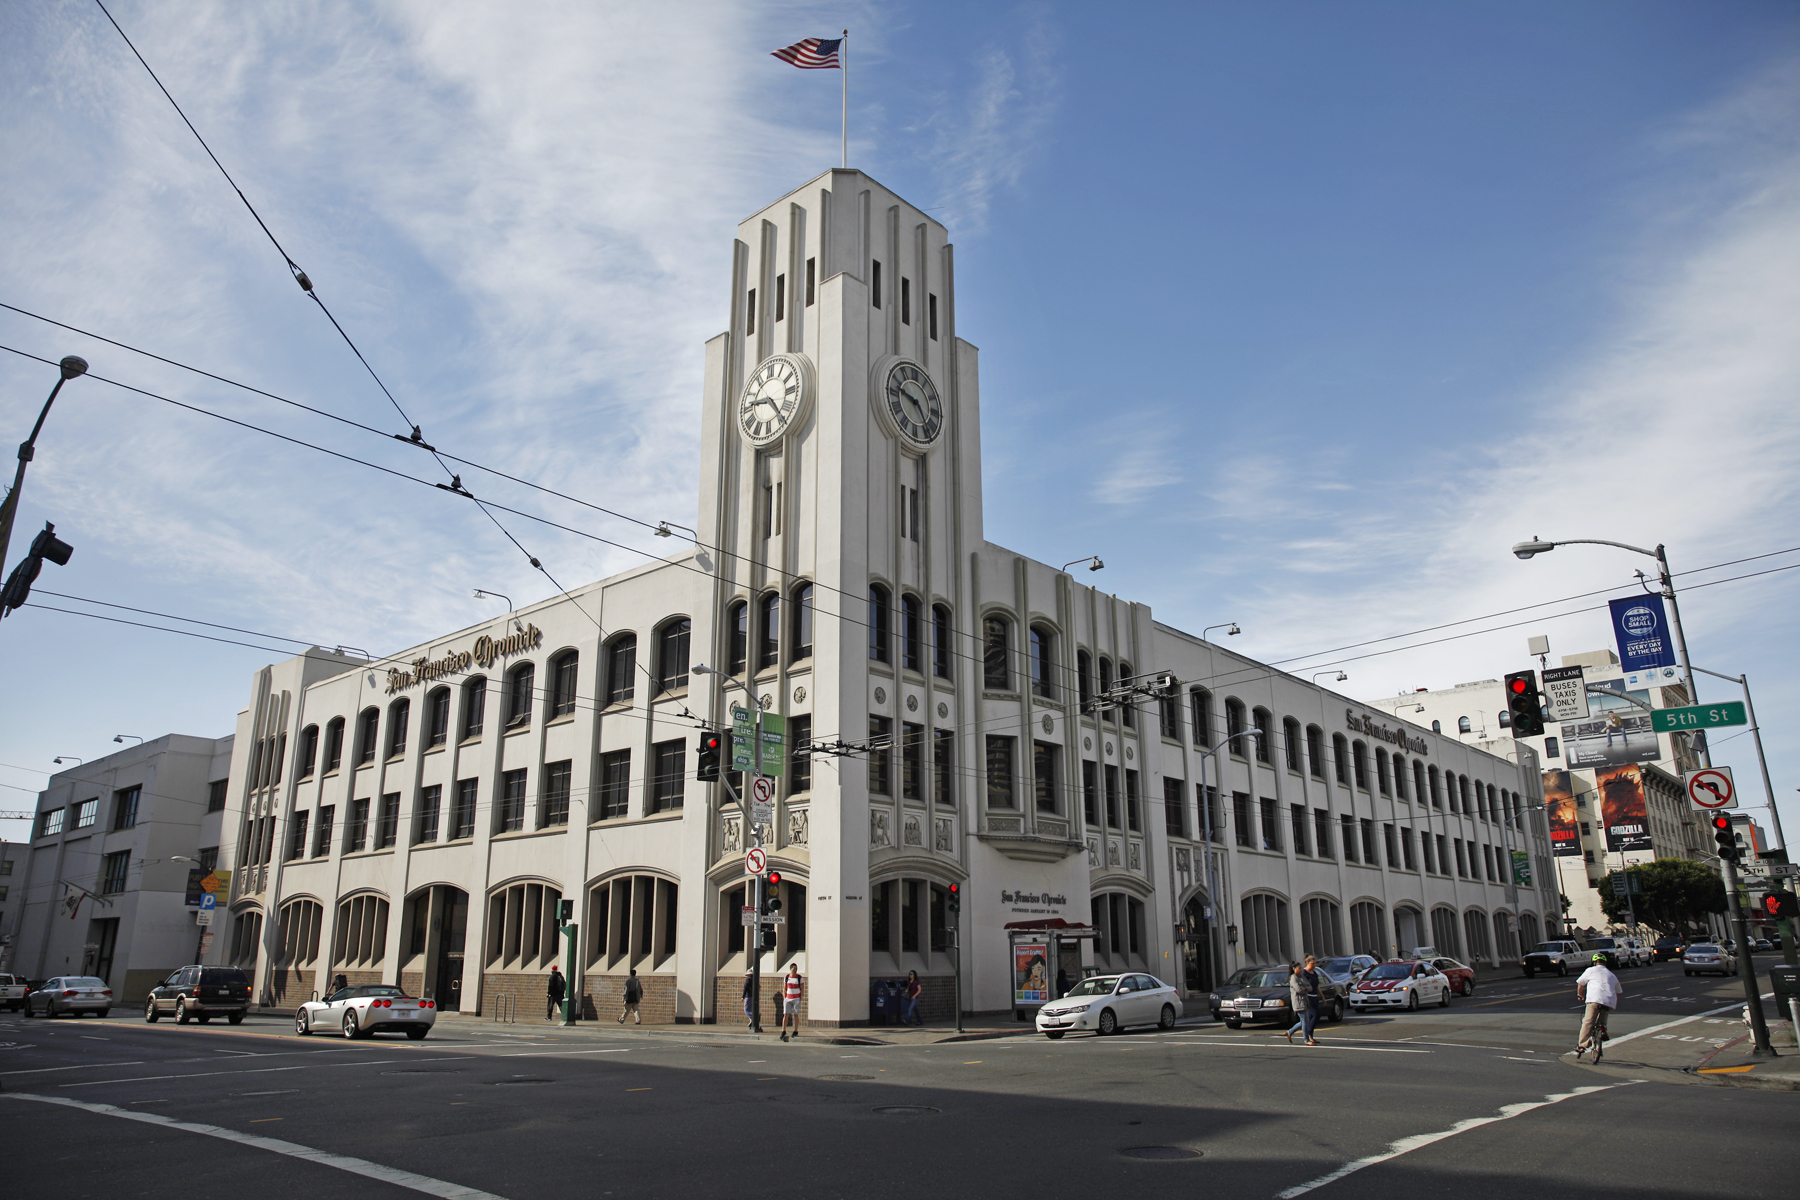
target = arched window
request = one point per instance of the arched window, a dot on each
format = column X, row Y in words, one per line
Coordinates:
column 1169, row 708
column 768, row 632
column 1340, row 757
column 631, row 923
column 1359, row 761
column 1382, row 779
column 1106, row 684
column 1437, row 727
column 564, row 669
column 297, row 933
column 1321, row 932
column 1119, row 925
column 368, row 724
column 941, row 648
column 1437, row 794
column 1419, row 792
column 1235, row 726
column 737, row 638
column 1368, row 930
column 309, row 752
column 1265, row 937
column 1290, row 738
column 474, row 708
column 1200, row 701
column 912, row 634
column 621, row 669
column 801, row 646
column 1262, row 719
column 1084, row 680
column 1399, row 777
column 399, row 716
column 672, row 654
column 878, row 624
column 996, row 653
column 361, row 937
column 334, row 744
column 521, row 682
column 1128, row 710
column 437, row 717
column 246, row 939
column 522, row 927
column 1043, row 662
column 1462, row 724
column 1315, row 751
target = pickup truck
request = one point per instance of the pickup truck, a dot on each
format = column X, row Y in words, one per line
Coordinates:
column 12, row 992
column 1555, row 956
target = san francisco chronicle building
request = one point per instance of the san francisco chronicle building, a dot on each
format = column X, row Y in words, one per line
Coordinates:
column 419, row 820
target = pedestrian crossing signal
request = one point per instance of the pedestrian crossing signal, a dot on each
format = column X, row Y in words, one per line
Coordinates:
column 1778, row 905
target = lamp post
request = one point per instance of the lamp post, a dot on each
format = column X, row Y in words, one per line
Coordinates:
column 1093, row 561
column 1230, row 627
column 71, row 368
column 1212, row 878
column 1338, row 678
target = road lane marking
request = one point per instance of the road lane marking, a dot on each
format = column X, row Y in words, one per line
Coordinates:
column 342, row 1162
column 1419, row 1141
column 1711, row 1012
column 77, row 1067
column 548, row 1053
column 1320, row 1046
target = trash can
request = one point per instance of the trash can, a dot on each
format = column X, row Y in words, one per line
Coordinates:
column 1786, row 982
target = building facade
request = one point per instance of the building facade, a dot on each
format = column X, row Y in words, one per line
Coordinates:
column 102, row 888
column 955, row 715
column 12, row 854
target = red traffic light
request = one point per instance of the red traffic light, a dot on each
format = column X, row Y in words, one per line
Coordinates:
column 774, row 878
column 710, row 741
column 1518, row 687
column 955, row 888
column 1721, row 823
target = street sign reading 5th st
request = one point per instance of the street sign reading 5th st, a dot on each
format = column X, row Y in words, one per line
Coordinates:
column 1698, row 716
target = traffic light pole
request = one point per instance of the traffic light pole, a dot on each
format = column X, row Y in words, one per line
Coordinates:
column 572, row 990
column 71, row 367
column 1759, row 1028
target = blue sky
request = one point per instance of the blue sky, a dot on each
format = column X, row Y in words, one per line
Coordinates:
column 1298, row 314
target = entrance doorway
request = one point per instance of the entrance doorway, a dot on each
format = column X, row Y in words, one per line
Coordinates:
column 1197, row 947
column 1409, row 929
column 449, row 922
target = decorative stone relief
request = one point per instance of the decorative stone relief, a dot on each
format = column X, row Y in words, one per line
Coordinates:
column 799, row 695
column 1087, row 743
column 797, row 823
column 1184, row 865
column 913, row 835
column 878, row 829
column 881, row 695
column 1136, row 856
column 767, row 700
column 734, row 835
column 1055, row 829
column 912, row 704
column 1109, row 749
column 942, row 840
column 1112, row 854
column 1005, row 824
column 943, row 710
column 1130, row 753
column 1049, row 725
column 1093, row 852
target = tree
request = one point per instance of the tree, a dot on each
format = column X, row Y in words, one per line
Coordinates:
column 1675, row 893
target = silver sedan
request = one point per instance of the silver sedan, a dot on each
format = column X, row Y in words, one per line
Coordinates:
column 72, row 994
column 366, row 1009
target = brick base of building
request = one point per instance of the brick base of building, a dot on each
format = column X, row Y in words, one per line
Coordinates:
column 603, row 998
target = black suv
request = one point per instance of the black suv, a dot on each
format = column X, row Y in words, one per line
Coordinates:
column 203, row 992
column 1667, row 948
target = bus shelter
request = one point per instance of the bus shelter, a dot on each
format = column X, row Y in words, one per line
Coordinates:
column 1041, row 951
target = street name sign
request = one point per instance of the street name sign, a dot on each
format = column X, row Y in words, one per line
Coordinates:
column 756, row 861
column 1565, row 694
column 1712, row 788
column 1698, row 716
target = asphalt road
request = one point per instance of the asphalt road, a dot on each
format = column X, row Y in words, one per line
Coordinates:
column 1473, row 1101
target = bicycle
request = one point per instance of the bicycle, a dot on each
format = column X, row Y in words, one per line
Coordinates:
column 1597, row 1037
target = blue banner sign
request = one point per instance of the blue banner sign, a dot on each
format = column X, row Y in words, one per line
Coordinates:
column 1642, row 631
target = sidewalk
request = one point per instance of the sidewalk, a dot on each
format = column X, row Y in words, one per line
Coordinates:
column 980, row 1028
column 1711, row 1050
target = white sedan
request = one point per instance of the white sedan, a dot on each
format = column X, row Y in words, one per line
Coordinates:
column 1401, row 984
column 1109, row 1003
column 367, row 1008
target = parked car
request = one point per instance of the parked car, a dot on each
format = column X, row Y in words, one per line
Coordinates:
column 1346, row 970
column 72, row 994
column 1257, row 995
column 1761, row 946
column 1460, row 975
column 1666, row 948
column 1401, row 984
column 1706, row 957
column 1556, row 956
column 200, row 993
column 368, row 1009
column 12, row 992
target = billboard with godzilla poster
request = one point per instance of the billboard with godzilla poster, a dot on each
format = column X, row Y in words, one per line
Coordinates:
column 1559, row 807
column 1624, row 812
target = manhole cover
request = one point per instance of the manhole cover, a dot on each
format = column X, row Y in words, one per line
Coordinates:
column 842, row 1078
column 906, row 1110
column 520, row 1082
column 1159, row 1153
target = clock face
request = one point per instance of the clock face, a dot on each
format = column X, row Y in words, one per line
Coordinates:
column 771, row 400
column 913, row 403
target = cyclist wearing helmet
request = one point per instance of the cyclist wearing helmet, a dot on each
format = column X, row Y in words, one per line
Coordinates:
column 1600, row 990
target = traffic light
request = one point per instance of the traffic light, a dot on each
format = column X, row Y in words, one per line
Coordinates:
column 1524, row 703
column 18, row 585
column 772, row 893
column 1726, row 837
column 566, row 912
column 706, row 758
column 955, row 891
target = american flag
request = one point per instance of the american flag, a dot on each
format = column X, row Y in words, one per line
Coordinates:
column 813, row 54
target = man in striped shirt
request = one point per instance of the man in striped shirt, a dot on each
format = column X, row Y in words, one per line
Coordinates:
column 790, row 1002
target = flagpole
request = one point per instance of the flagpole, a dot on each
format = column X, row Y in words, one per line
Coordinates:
column 845, row 59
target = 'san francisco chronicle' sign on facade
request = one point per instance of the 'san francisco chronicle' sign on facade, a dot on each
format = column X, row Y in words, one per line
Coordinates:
column 486, row 652
column 1381, row 733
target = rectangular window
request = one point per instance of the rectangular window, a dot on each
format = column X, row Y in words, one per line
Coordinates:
column 387, row 823
column 1322, row 824
column 117, row 867
column 905, row 300
column 1297, row 814
column 50, row 823
column 812, row 275
column 322, row 832
column 1271, row 827
column 931, row 312
column 215, row 794
column 1443, row 855
column 1000, row 772
column 1043, row 767
column 1134, row 802
column 669, row 776
column 1090, row 793
column 1368, row 843
column 125, row 808
column 1462, row 858
column 1174, row 807
column 781, row 297
column 87, row 812
column 1406, row 846
column 1347, row 838
column 297, row 836
column 881, row 756
column 1425, row 849
column 1241, row 820
column 1110, row 774
column 509, row 814
column 615, row 785
column 462, row 811
column 1393, row 847
column 431, row 800
column 356, row 829
column 943, row 767
column 799, row 755
column 909, row 916
column 940, row 641
column 1209, row 797
column 880, row 906
column 912, row 761
column 1552, row 748
column 875, row 298
column 750, row 314
column 207, row 858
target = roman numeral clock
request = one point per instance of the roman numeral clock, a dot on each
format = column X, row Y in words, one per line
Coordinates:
column 912, row 403
column 774, row 398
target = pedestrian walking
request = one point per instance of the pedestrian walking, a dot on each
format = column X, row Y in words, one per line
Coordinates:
column 557, row 988
column 791, row 987
column 749, row 1017
column 1303, row 994
column 909, row 1012
column 634, row 994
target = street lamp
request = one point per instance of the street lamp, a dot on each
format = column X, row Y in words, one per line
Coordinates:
column 60, row 759
column 1339, row 679
column 71, row 368
column 480, row 594
column 1230, row 627
column 1093, row 561
column 120, row 738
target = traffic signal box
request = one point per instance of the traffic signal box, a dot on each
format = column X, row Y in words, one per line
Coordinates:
column 955, row 903
column 771, row 906
column 46, row 545
column 1726, row 837
column 706, row 756
column 1524, row 704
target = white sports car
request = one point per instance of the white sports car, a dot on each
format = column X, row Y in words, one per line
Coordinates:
column 367, row 1008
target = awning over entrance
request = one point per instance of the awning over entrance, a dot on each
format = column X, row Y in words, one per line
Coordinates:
column 1056, row 925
